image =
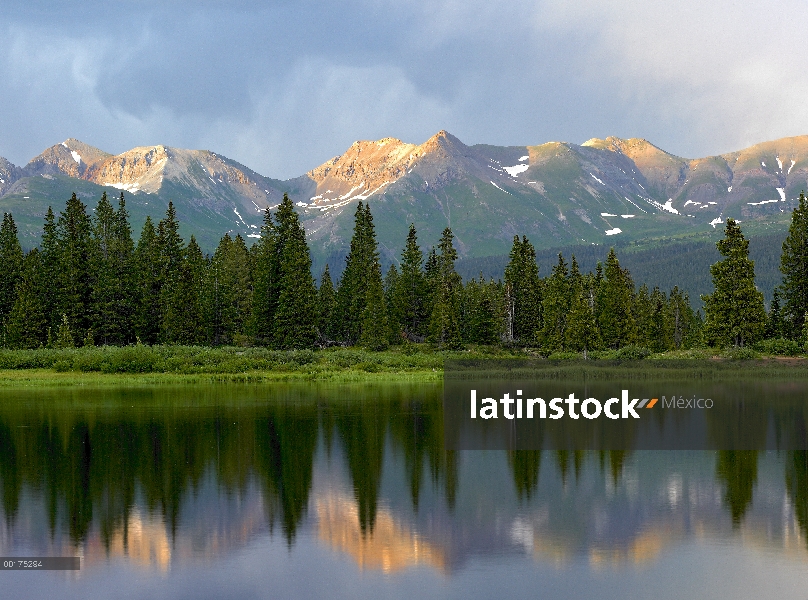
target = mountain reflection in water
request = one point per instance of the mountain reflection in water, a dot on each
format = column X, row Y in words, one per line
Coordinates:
column 165, row 476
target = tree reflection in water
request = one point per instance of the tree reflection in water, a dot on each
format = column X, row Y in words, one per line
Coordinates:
column 98, row 459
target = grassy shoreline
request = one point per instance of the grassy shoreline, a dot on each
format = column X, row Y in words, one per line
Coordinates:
column 165, row 365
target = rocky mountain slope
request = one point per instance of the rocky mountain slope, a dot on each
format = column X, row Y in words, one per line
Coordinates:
column 556, row 193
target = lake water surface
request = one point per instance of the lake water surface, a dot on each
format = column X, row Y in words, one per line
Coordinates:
column 346, row 491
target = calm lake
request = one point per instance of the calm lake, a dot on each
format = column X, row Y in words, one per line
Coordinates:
column 346, row 491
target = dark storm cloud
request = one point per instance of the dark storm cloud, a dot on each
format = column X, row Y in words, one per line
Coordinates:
column 283, row 86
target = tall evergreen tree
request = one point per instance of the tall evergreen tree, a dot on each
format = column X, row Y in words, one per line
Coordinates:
column 734, row 312
column 11, row 259
column 409, row 296
column 444, row 325
column 582, row 329
column 375, row 328
column 295, row 323
column 185, row 313
column 615, row 318
column 266, row 281
column 794, row 266
column 523, row 293
column 26, row 323
column 481, row 313
column 556, row 307
column 171, row 249
column 111, row 262
column 74, row 278
column 49, row 268
column 148, row 277
column 352, row 289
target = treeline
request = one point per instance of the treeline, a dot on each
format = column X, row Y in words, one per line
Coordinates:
column 89, row 283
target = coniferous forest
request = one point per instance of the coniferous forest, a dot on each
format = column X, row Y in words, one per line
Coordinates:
column 90, row 283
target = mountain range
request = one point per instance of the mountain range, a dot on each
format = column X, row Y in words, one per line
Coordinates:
column 558, row 193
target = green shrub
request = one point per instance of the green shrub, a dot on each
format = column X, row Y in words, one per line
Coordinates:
column 632, row 353
column 89, row 360
column 779, row 347
column 370, row 367
column 62, row 366
column 132, row 359
column 739, row 354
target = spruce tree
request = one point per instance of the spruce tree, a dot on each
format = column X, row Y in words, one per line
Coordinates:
column 556, row 308
column 49, row 268
column 480, row 318
column 123, row 265
column 615, row 295
column 26, row 325
column 266, row 281
column 522, row 293
column 218, row 309
column 185, row 316
column 110, row 257
column 409, row 296
column 147, row 275
column 11, row 260
column 375, row 329
column 171, row 251
column 352, row 289
column 582, row 329
column 295, row 323
column 794, row 266
column 74, row 277
column 444, row 326
column 734, row 312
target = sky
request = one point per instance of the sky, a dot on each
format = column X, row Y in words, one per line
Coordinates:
column 283, row 86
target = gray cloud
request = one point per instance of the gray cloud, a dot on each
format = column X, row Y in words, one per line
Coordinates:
column 283, row 86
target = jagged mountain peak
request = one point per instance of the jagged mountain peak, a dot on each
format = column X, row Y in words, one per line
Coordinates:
column 71, row 157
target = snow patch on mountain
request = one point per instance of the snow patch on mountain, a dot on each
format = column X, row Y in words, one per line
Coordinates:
column 669, row 207
column 500, row 189
column 76, row 156
column 127, row 187
column 614, row 231
column 516, row 169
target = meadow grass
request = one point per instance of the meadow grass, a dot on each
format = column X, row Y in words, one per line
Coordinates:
column 146, row 365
